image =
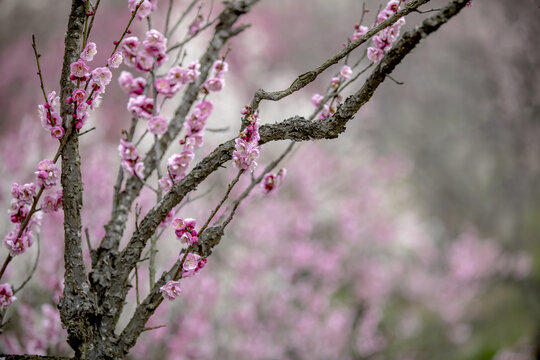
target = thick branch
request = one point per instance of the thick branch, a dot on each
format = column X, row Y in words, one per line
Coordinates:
column 296, row 128
column 77, row 305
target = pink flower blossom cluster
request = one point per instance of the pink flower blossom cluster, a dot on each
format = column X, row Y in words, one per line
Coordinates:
column 6, row 296
column 176, row 78
column 216, row 82
column 47, row 174
column 271, row 182
column 383, row 41
column 192, row 264
column 359, row 31
column 178, row 164
column 246, row 150
column 328, row 108
column 185, row 230
column 143, row 7
column 49, row 115
column 131, row 160
column 52, row 203
column 23, row 196
column 91, row 85
column 151, row 53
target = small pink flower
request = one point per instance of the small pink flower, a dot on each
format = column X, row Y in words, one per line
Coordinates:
column 272, row 181
column 196, row 25
column 115, row 60
column 89, row 52
column 191, row 262
column 163, row 86
column 49, row 204
column 102, row 76
column 57, row 132
column 78, row 95
column 129, row 45
column 79, row 70
column 24, row 193
column 6, row 295
column 145, row 61
column 345, row 72
column 18, row 245
column 359, row 31
column 219, row 68
column 316, row 100
column 214, row 84
column 157, row 125
column 165, row 183
column 47, row 174
column 375, row 54
column 127, row 150
column 170, row 290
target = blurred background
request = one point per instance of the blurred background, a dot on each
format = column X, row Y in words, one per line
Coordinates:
column 412, row 236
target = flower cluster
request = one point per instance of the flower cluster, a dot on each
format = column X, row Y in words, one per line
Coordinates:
column 246, row 149
column 216, row 82
column 151, row 53
column 143, row 7
column 131, row 160
column 192, row 264
column 52, row 203
column 385, row 38
column 359, row 31
column 47, row 174
column 176, row 78
column 23, row 196
column 171, row 290
column 195, row 125
column 271, row 182
column 185, row 230
column 6, row 296
column 49, row 114
column 91, row 85
column 17, row 240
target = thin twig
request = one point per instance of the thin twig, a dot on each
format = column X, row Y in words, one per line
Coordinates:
column 33, row 269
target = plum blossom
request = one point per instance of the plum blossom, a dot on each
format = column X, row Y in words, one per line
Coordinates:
column 47, row 174
column 163, row 86
column 115, row 60
column 131, row 85
column 79, row 71
column 214, row 84
column 192, row 264
column 57, row 132
column 359, row 31
column 246, row 150
column 179, row 163
column 185, row 230
column 144, row 9
column 23, row 193
column 18, row 245
column 131, row 160
column 375, row 54
column 6, row 295
column 316, row 100
column 196, row 24
column 157, row 125
column 219, row 68
column 49, row 113
column 271, row 182
column 345, row 72
column 102, row 76
column 170, row 290
column 141, row 106
column 89, row 52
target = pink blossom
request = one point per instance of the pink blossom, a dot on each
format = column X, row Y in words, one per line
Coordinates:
column 214, row 84
column 165, row 184
column 144, row 61
column 359, row 31
column 47, row 174
column 192, row 73
column 176, row 77
column 102, row 76
column 127, row 150
column 345, row 72
column 79, row 70
column 375, row 54
column 130, row 85
column 115, row 60
column 24, row 193
column 170, row 290
column 49, row 204
column 196, row 24
column 18, row 245
column 163, row 86
column 316, row 100
column 178, row 164
column 6, row 295
column 157, row 125
column 219, row 68
column 18, row 211
column 191, row 262
column 57, row 132
column 145, row 8
column 335, row 82
column 185, row 230
column 129, row 45
column 141, row 106
column 78, row 95
column 272, row 181
column 89, row 52
column 245, row 154
column 155, row 43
